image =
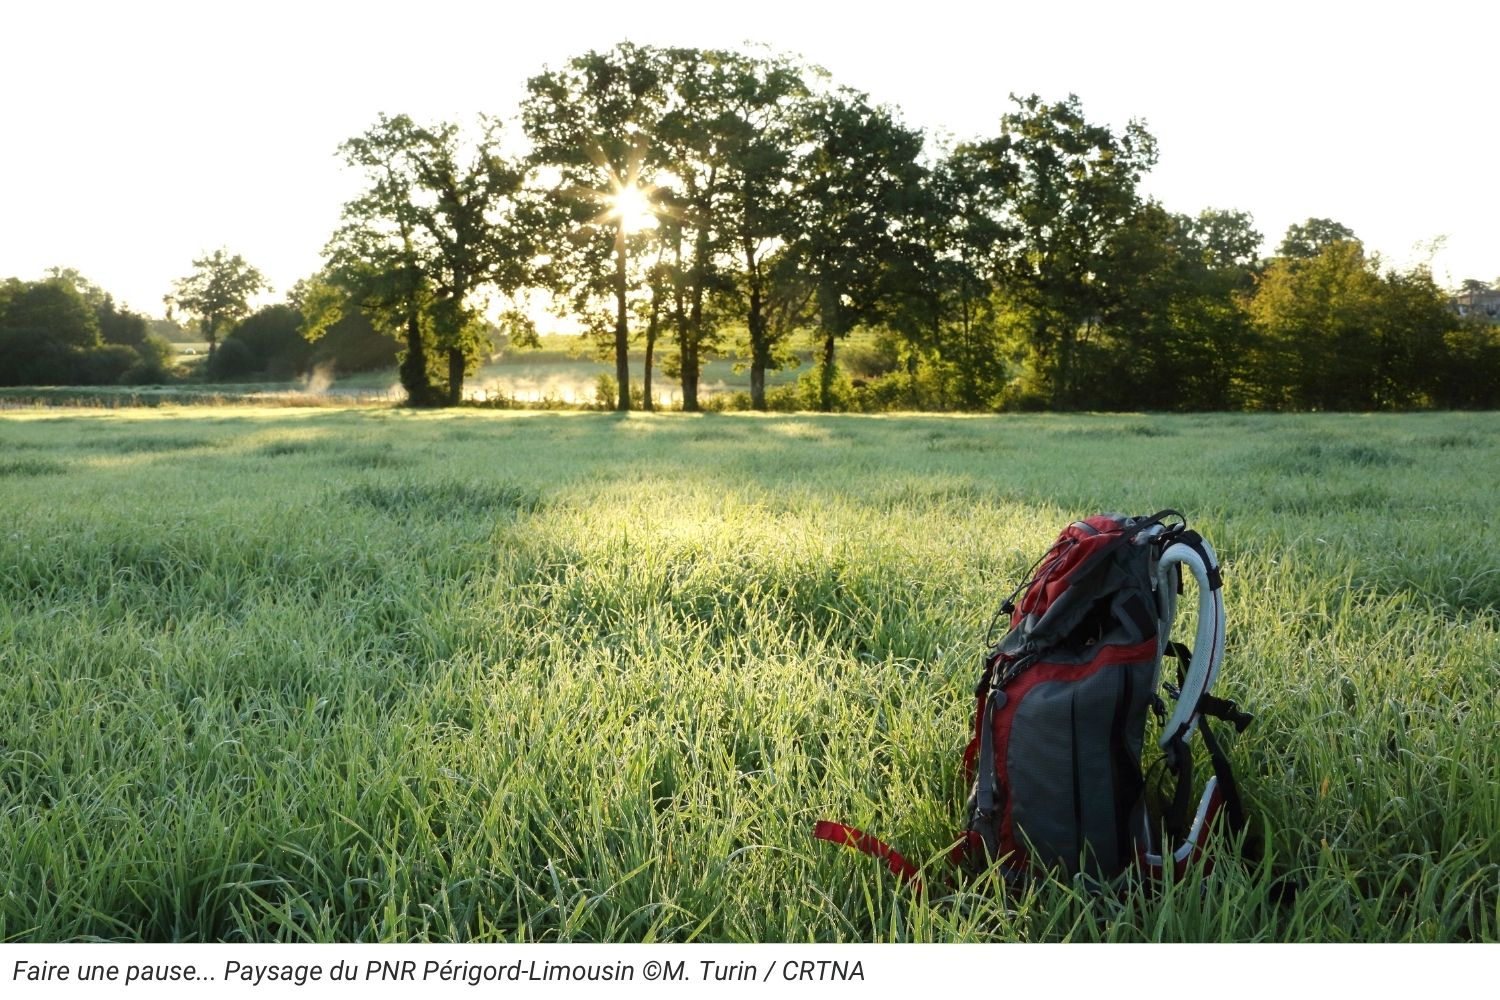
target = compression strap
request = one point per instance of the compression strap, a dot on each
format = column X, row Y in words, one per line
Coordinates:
column 848, row 836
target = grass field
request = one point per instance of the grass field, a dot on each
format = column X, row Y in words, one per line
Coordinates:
column 367, row 673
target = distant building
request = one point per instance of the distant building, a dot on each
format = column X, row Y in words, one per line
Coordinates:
column 1484, row 303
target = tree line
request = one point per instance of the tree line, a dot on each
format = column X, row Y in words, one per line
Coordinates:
column 695, row 202
column 64, row 329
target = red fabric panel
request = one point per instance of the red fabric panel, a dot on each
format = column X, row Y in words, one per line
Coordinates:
column 1072, row 547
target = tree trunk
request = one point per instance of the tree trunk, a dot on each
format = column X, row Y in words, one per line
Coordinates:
column 455, row 376
column 760, row 350
column 647, row 403
column 622, row 326
column 688, row 350
column 692, row 353
column 690, row 378
column 825, row 374
column 414, row 364
column 757, row 381
column 1062, row 394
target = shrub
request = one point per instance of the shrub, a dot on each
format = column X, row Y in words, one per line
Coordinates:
column 104, row 365
column 867, row 360
column 153, row 364
column 233, row 359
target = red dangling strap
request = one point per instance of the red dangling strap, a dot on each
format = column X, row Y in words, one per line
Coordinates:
column 848, row 836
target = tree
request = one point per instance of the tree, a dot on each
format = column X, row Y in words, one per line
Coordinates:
column 1066, row 186
column 435, row 229
column 374, row 265
column 945, row 308
column 749, row 120
column 1228, row 237
column 340, row 334
column 1339, row 334
column 1471, row 365
column 591, row 125
column 95, row 296
column 1413, row 324
column 857, row 183
column 472, row 238
column 1304, row 241
column 55, row 307
column 66, row 329
column 121, row 326
column 217, row 293
column 46, row 329
column 1313, row 316
column 1172, row 333
column 689, row 139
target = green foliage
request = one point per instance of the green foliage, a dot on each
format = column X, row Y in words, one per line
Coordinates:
column 873, row 358
column 1017, row 271
column 1470, row 377
column 50, row 334
column 121, row 326
column 273, row 341
column 171, row 331
column 154, row 364
column 217, row 293
column 353, row 344
column 813, row 390
column 416, row 252
column 593, row 123
column 1171, row 333
column 235, row 359
column 1228, row 237
column 747, row 136
column 859, row 179
column 1336, row 333
column 607, row 394
column 341, row 332
column 1063, row 187
column 55, row 310
column 1306, row 240
column 106, row 364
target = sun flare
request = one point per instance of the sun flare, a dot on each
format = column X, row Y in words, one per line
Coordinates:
column 631, row 205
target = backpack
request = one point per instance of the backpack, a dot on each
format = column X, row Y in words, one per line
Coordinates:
column 1055, row 760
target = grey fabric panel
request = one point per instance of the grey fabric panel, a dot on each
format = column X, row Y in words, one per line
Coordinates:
column 1070, row 786
column 1039, row 772
column 1144, row 677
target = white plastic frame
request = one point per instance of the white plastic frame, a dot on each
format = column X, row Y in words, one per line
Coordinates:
column 1208, row 645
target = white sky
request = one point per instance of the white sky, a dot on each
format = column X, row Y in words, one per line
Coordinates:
column 136, row 135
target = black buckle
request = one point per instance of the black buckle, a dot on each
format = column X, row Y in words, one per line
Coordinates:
column 1224, row 708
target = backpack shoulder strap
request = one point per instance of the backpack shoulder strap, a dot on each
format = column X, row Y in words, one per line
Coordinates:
column 1190, row 551
column 1187, row 551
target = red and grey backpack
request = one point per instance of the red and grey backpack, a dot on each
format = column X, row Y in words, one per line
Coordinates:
column 1055, row 761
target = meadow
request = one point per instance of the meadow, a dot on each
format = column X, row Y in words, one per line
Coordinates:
column 365, row 673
